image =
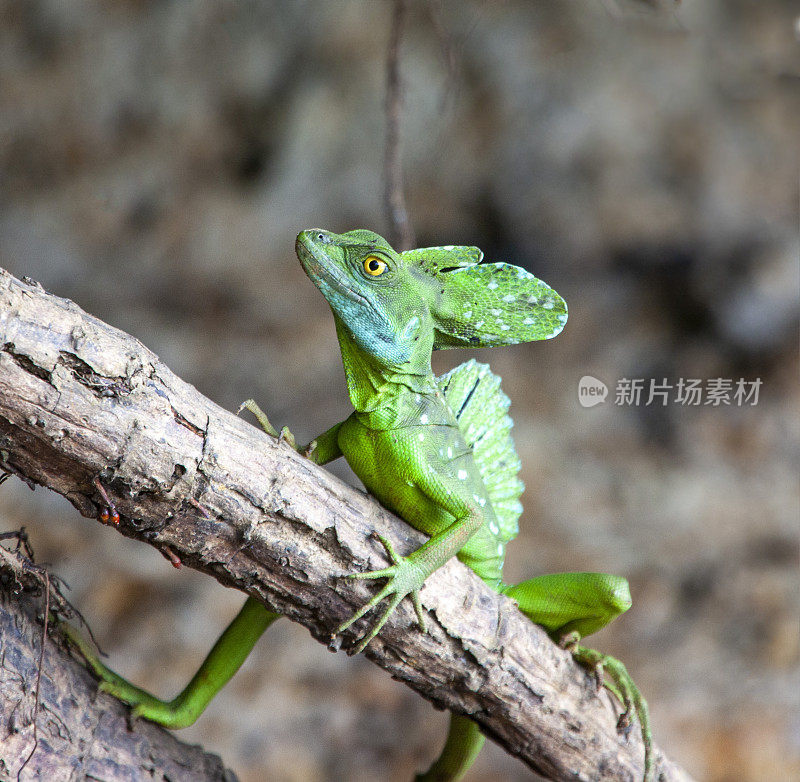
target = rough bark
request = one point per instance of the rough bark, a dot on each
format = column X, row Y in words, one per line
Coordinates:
column 80, row 734
column 80, row 400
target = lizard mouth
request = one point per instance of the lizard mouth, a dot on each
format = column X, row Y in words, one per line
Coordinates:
column 318, row 267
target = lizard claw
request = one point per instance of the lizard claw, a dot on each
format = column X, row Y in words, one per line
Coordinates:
column 569, row 641
column 598, row 676
column 287, row 437
column 404, row 579
column 283, row 436
column 612, row 674
column 625, row 723
column 308, row 450
column 261, row 416
column 390, row 552
column 420, row 614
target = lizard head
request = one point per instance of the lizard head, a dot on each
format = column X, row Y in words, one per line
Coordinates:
column 400, row 306
column 371, row 292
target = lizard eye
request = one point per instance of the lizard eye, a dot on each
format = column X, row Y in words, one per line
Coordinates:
column 374, row 266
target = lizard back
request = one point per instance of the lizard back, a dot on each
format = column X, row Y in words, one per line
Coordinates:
column 473, row 393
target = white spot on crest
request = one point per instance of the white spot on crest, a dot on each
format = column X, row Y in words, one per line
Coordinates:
column 423, row 419
column 449, row 453
column 421, row 436
column 508, row 297
column 448, row 247
column 528, row 321
column 548, row 304
column 493, row 528
column 495, row 311
column 504, row 327
column 562, row 318
column 480, row 500
column 522, row 274
column 468, row 314
column 462, row 475
column 411, row 327
column 479, row 324
column 533, row 300
column 499, row 549
column 492, row 285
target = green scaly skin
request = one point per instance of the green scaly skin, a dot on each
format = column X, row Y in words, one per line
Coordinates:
column 404, row 443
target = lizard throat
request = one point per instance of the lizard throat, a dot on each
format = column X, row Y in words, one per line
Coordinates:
column 372, row 384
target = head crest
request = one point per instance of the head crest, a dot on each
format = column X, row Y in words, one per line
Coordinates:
column 484, row 305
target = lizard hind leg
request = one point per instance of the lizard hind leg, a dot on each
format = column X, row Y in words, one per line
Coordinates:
column 612, row 674
column 570, row 606
column 563, row 603
column 222, row 662
column 464, row 742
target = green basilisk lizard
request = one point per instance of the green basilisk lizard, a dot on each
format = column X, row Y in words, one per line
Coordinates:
column 436, row 451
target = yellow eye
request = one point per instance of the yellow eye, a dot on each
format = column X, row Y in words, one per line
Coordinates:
column 374, row 266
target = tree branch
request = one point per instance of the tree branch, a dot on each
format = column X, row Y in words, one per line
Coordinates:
column 82, row 734
column 80, row 400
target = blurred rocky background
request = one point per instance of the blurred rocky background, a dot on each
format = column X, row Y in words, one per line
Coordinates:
column 156, row 161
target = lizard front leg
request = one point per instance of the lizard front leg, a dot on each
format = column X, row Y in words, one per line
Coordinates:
column 321, row 450
column 406, row 575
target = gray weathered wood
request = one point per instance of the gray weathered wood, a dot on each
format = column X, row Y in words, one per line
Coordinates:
column 81, row 400
column 81, row 734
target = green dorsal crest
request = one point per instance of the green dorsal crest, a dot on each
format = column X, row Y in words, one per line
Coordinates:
column 436, row 259
column 486, row 304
